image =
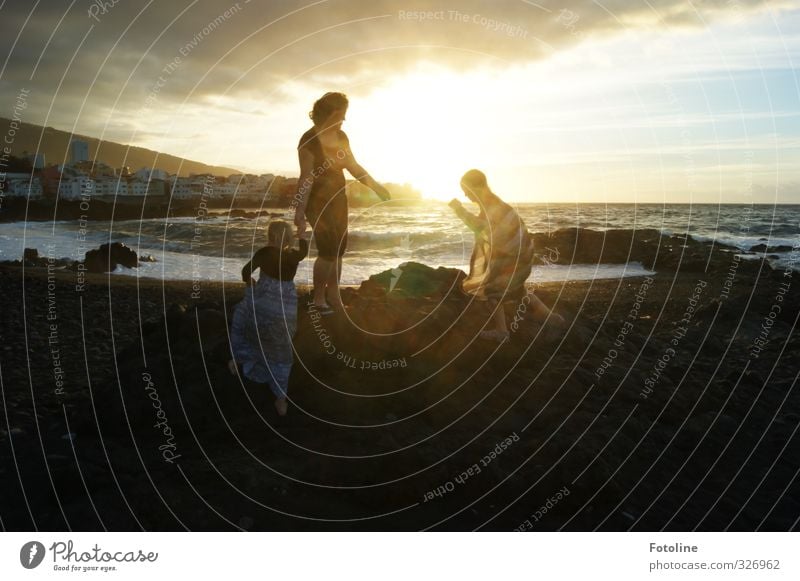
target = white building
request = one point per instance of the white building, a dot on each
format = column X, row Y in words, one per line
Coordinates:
column 78, row 151
column 139, row 187
column 73, row 188
column 192, row 187
column 224, row 189
column 182, row 188
column 111, row 187
column 150, row 173
column 36, row 159
column 22, row 185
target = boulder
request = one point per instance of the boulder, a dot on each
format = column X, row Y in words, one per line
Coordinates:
column 765, row 248
column 412, row 279
column 108, row 256
column 30, row 256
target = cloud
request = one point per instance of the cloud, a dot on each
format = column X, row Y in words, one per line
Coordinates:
column 164, row 53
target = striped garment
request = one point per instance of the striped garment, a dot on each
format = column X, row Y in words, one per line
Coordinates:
column 502, row 258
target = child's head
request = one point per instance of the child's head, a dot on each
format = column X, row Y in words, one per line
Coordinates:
column 476, row 188
column 279, row 233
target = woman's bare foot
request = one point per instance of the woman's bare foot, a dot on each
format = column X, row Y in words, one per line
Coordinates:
column 324, row 309
column 281, row 406
column 335, row 302
column 232, row 367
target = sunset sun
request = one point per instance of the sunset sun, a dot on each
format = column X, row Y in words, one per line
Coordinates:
column 424, row 130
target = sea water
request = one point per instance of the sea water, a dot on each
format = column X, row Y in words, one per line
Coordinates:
column 215, row 247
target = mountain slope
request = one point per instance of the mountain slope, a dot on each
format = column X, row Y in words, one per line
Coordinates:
column 55, row 146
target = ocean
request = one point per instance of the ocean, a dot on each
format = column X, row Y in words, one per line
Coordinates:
column 214, row 247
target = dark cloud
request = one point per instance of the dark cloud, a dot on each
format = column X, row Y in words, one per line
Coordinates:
column 257, row 46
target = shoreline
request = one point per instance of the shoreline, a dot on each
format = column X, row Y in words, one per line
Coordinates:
column 16, row 208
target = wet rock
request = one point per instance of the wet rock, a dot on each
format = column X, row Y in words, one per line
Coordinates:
column 765, row 248
column 30, row 256
column 108, row 256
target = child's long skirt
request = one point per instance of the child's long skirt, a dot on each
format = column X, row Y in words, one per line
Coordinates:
column 262, row 328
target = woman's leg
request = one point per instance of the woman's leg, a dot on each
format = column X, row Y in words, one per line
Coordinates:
column 334, row 296
column 322, row 274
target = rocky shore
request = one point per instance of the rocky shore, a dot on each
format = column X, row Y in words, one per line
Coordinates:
column 123, row 208
column 668, row 402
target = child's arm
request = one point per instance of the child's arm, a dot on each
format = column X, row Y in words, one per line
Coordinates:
column 473, row 222
column 247, row 272
column 252, row 264
column 303, row 252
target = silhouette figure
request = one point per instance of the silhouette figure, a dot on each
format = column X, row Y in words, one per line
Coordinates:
column 324, row 154
column 265, row 321
column 502, row 257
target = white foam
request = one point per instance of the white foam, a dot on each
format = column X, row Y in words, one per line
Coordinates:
column 744, row 242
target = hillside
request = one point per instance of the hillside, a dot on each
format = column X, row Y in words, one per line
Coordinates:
column 55, row 145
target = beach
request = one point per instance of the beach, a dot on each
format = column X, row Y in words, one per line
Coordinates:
column 667, row 403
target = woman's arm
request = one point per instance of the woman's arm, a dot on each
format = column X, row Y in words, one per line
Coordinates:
column 304, row 184
column 362, row 175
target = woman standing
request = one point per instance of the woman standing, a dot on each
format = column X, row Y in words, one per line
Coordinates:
column 324, row 153
column 502, row 257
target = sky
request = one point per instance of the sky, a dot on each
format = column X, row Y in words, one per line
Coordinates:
column 569, row 101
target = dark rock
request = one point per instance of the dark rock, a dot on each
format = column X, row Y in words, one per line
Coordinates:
column 765, row 248
column 175, row 314
column 237, row 213
column 31, row 255
column 648, row 246
column 412, row 279
column 108, row 256
column 17, row 433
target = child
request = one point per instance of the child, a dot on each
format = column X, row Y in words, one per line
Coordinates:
column 265, row 321
column 502, row 257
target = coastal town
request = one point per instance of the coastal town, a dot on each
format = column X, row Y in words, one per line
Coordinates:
column 83, row 178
